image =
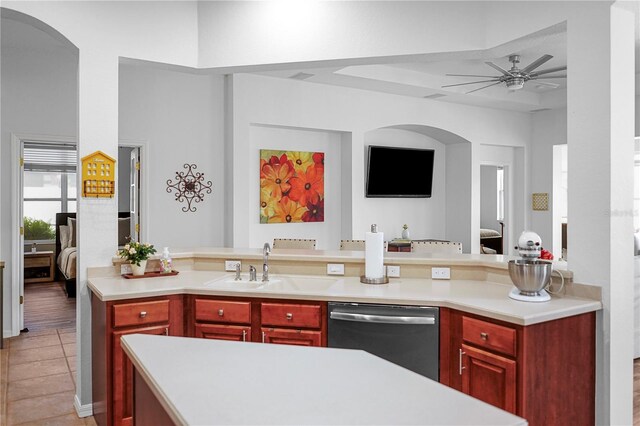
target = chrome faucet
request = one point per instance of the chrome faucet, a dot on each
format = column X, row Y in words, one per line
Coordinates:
column 238, row 278
column 265, row 262
column 252, row 273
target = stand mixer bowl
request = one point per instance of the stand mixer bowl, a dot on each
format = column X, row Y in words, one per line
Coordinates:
column 530, row 276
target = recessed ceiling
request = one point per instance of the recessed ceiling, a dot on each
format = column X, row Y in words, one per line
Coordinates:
column 424, row 77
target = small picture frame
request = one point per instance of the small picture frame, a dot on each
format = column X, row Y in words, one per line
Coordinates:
column 540, row 201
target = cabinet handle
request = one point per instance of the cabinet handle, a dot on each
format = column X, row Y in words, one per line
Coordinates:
column 244, row 335
column 460, row 367
column 143, row 314
column 166, row 331
column 263, row 337
column 220, row 312
column 484, row 336
column 289, row 316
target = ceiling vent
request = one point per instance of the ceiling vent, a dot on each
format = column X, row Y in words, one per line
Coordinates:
column 301, row 76
column 540, row 110
column 434, row 96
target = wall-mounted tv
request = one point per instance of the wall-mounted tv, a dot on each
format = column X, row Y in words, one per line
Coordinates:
column 399, row 172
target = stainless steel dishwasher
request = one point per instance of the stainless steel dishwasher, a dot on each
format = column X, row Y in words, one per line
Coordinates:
column 405, row 335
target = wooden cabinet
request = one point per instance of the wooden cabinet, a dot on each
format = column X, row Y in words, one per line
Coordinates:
column 259, row 320
column 112, row 372
column 523, row 369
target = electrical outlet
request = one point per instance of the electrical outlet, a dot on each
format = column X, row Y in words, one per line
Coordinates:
column 393, row 271
column 441, row 273
column 335, row 268
column 230, row 265
column 125, row 268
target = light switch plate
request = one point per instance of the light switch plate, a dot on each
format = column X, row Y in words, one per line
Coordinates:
column 335, row 268
column 441, row 273
column 125, row 268
column 393, row 271
column 230, row 265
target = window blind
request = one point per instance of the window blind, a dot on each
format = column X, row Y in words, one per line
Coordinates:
column 43, row 157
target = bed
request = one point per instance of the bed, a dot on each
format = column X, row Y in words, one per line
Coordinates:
column 491, row 241
column 66, row 250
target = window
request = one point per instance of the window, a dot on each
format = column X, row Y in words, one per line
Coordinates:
column 500, row 194
column 49, row 185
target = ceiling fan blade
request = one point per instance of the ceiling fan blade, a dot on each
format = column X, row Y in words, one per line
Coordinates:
column 483, row 87
column 544, row 77
column 543, row 83
column 472, row 75
column 472, row 82
column 535, row 64
column 548, row 71
column 502, row 70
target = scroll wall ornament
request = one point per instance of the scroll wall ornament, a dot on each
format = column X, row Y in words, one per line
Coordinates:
column 190, row 187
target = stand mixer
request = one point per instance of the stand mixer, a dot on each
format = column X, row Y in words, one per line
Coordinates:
column 530, row 275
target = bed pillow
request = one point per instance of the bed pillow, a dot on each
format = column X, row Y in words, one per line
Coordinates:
column 488, row 233
column 124, row 230
column 72, row 229
column 64, row 236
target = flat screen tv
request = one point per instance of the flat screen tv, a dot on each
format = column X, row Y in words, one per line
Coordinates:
column 399, row 172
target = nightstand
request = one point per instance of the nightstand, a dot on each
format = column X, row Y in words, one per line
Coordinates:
column 38, row 267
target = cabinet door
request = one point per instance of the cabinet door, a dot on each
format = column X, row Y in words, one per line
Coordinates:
column 291, row 337
column 223, row 332
column 122, row 385
column 489, row 377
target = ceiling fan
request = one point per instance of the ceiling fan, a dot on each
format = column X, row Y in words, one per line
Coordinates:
column 515, row 77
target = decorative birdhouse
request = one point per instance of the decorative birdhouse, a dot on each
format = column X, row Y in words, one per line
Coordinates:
column 98, row 175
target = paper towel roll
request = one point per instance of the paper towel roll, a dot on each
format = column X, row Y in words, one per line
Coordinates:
column 374, row 255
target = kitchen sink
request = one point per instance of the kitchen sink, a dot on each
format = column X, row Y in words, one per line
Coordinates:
column 287, row 283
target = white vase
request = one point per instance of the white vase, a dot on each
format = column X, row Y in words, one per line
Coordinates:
column 139, row 270
column 405, row 234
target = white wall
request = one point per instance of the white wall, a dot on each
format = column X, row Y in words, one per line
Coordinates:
column 424, row 216
column 181, row 118
column 327, row 233
column 295, row 104
column 459, row 225
column 39, row 96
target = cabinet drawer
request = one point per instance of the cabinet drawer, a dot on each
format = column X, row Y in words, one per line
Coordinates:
column 223, row 311
column 290, row 315
column 490, row 336
column 34, row 262
column 141, row 313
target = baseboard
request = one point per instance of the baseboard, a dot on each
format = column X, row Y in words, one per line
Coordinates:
column 82, row 410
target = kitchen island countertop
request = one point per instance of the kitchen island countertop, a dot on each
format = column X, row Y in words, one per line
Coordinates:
column 200, row 381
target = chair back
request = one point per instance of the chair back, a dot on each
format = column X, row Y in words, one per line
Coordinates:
column 294, row 243
column 353, row 245
column 435, row 247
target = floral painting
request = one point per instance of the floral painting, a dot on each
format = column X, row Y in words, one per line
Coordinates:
column 291, row 186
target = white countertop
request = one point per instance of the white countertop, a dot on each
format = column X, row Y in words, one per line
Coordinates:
column 200, row 381
column 479, row 297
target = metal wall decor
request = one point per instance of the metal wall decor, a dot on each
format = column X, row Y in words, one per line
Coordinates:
column 190, row 187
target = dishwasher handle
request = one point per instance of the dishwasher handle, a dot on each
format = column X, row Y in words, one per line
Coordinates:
column 383, row 319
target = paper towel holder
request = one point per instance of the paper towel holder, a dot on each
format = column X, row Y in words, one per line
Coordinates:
column 365, row 280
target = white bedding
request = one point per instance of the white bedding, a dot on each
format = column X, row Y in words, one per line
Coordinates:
column 67, row 262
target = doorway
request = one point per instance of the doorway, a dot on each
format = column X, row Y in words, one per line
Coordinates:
column 131, row 203
column 494, row 209
column 560, row 201
column 47, row 203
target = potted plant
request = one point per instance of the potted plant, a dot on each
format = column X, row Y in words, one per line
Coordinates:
column 137, row 254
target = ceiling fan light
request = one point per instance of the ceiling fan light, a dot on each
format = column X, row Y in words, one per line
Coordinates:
column 515, row 83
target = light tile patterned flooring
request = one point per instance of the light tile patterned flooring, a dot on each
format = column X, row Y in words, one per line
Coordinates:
column 37, row 385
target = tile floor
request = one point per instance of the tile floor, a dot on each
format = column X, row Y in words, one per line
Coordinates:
column 37, row 380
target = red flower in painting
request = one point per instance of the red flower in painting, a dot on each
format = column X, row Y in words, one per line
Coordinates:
column 318, row 158
column 308, row 187
column 283, row 159
column 314, row 213
column 276, row 178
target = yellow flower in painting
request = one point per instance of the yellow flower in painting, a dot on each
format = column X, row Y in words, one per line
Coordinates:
column 288, row 211
column 267, row 203
column 301, row 160
column 276, row 179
